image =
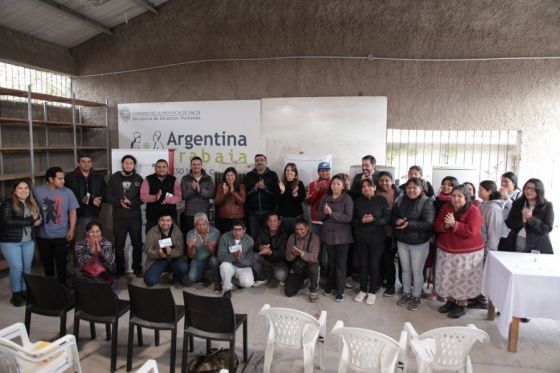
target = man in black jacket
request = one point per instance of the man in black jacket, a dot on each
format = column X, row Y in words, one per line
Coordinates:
column 262, row 189
column 270, row 247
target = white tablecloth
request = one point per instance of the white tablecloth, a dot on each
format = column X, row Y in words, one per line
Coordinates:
column 522, row 287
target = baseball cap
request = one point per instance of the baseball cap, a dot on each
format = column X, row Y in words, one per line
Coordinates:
column 324, row 166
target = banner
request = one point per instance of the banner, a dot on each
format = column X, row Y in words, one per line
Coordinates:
column 222, row 133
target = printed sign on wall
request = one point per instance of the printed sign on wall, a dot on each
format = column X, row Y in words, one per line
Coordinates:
column 219, row 132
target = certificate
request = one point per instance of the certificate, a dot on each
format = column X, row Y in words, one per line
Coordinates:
column 165, row 242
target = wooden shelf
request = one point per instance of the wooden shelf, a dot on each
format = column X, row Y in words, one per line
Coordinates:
column 49, row 148
column 54, row 123
column 45, row 97
column 27, row 175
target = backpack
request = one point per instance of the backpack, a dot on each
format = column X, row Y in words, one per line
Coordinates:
column 213, row 362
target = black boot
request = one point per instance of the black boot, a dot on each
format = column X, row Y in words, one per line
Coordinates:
column 17, row 299
column 457, row 312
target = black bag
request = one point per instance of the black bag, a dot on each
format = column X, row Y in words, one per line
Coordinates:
column 213, row 362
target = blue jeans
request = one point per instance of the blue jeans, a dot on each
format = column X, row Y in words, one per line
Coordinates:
column 198, row 266
column 178, row 266
column 19, row 256
column 412, row 259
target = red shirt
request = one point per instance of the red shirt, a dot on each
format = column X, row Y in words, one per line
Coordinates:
column 465, row 237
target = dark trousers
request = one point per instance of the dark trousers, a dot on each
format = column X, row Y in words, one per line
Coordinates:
column 337, row 266
column 369, row 256
column 350, row 260
column 53, row 253
column 178, row 266
column 133, row 227
column 297, row 277
column 388, row 270
column 257, row 223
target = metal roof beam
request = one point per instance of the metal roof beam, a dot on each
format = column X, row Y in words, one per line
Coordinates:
column 77, row 15
column 147, row 5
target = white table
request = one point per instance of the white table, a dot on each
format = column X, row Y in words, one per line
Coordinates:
column 521, row 285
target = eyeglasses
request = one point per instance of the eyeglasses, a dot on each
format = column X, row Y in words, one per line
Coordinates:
column 530, row 189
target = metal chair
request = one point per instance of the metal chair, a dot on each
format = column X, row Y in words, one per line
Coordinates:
column 444, row 348
column 211, row 318
column 97, row 303
column 153, row 309
column 366, row 350
column 47, row 297
column 294, row 329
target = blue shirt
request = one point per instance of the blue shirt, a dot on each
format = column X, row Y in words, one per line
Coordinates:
column 54, row 206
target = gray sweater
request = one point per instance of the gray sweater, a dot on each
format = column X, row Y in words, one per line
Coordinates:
column 493, row 220
column 247, row 255
column 197, row 201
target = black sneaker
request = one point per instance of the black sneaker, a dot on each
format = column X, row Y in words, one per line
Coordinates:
column 389, row 292
column 227, row 294
column 457, row 312
column 138, row 273
column 403, row 301
column 17, row 299
column 447, row 307
column 525, row 319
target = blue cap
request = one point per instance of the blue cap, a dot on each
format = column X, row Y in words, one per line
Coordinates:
column 324, row 166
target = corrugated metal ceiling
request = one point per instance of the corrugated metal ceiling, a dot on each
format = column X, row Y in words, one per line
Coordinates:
column 45, row 22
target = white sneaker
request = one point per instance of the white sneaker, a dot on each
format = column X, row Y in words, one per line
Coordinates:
column 256, row 284
column 370, row 298
column 360, row 297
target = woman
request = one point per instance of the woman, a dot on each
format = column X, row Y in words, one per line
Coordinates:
column 371, row 213
column 412, row 219
column 230, row 198
column 416, row 171
column 509, row 193
column 387, row 189
column 444, row 196
column 19, row 215
column 472, row 191
column 292, row 194
column 335, row 210
column 95, row 256
column 492, row 218
column 460, row 254
column 531, row 220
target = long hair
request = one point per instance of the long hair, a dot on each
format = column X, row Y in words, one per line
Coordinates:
column 490, row 186
column 236, row 182
column 539, row 186
column 29, row 201
column 463, row 189
column 510, row 175
column 285, row 179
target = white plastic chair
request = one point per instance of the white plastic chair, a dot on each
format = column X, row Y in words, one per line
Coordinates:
column 367, row 351
column 294, row 329
column 57, row 356
column 150, row 366
column 444, row 348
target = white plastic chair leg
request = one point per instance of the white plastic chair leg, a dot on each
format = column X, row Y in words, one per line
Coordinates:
column 308, row 354
column 268, row 353
column 469, row 368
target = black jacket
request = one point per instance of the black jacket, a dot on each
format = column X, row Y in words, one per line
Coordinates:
column 537, row 227
column 420, row 223
column 116, row 192
column 277, row 244
column 374, row 231
column 94, row 184
column 11, row 229
column 261, row 200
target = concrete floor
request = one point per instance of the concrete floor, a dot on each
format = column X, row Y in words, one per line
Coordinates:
column 538, row 349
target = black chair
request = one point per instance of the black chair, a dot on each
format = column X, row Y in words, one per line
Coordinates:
column 47, row 297
column 96, row 303
column 153, row 309
column 212, row 318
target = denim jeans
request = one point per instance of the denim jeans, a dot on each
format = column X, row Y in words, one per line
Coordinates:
column 19, row 256
column 413, row 258
column 178, row 266
column 198, row 266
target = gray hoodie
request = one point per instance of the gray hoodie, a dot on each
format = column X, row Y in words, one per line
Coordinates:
column 493, row 221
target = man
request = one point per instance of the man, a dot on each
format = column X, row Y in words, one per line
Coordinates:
column 261, row 185
column 160, row 192
column 89, row 189
column 58, row 209
column 197, row 188
column 317, row 189
column 202, row 242
column 301, row 252
column 368, row 172
column 165, row 252
column 123, row 193
column 270, row 247
column 235, row 253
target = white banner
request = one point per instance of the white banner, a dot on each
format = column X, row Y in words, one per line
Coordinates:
column 222, row 133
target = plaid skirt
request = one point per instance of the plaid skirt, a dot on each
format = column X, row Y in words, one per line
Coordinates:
column 459, row 275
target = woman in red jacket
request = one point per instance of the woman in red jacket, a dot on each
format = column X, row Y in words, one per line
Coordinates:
column 460, row 254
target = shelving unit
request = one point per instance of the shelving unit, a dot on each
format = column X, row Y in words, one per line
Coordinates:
column 47, row 130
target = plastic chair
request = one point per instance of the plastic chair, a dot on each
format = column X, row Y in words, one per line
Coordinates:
column 47, row 297
column 366, row 350
column 38, row 357
column 212, row 318
column 150, row 366
column 96, row 303
column 294, row 329
column 444, row 348
column 153, row 309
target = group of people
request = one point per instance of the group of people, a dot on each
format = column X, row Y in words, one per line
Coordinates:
column 261, row 233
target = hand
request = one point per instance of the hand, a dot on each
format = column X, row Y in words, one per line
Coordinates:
column 296, row 251
column 295, row 191
column 449, row 220
column 237, row 254
column 317, row 186
column 97, row 201
column 70, row 235
column 38, row 221
column 260, row 184
column 168, row 250
column 231, row 188
column 323, row 185
column 96, row 247
column 265, row 250
column 158, row 195
column 161, row 254
column 194, row 186
column 225, row 188
column 503, row 193
column 327, row 209
column 367, row 218
column 85, row 200
column 192, row 242
column 527, row 214
column 282, row 187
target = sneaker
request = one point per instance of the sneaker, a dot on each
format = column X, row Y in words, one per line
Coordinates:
column 138, row 273
column 313, row 297
column 339, row 297
column 389, row 292
column 328, row 292
column 178, row 284
column 404, row 299
column 349, row 283
column 17, row 299
column 282, row 283
column 227, row 294
column 413, row 304
column 447, row 307
column 217, row 287
column 525, row 319
column 360, row 297
column 456, row 312
column 370, row 298
column 259, row 283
